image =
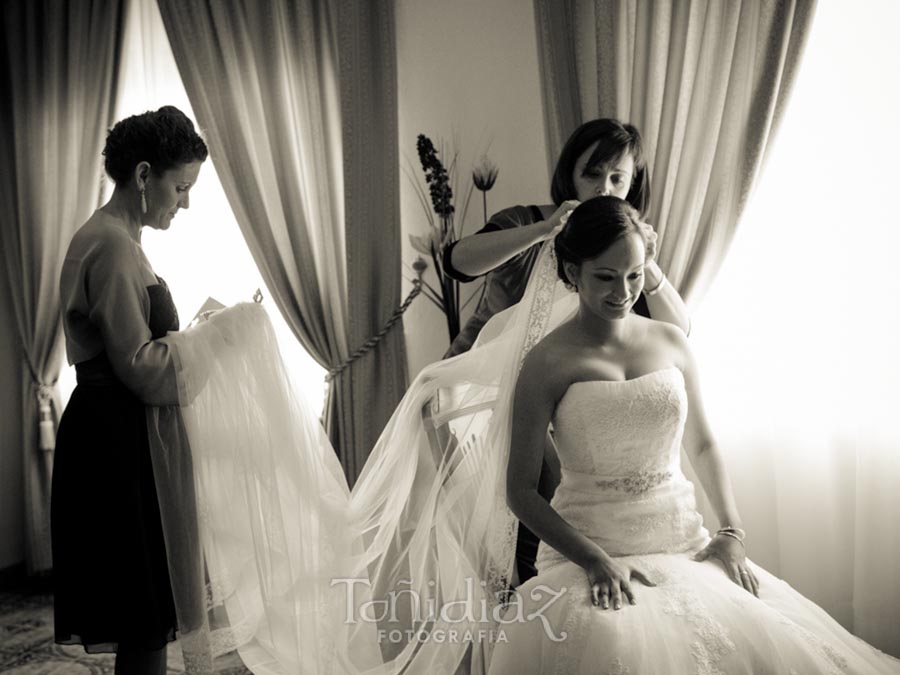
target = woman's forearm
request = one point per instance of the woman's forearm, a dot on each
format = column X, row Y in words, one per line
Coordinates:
column 478, row 254
column 710, row 468
column 551, row 528
column 665, row 305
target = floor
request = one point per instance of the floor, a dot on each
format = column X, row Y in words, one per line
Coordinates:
column 27, row 647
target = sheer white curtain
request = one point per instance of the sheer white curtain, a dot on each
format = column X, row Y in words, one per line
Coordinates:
column 797, row 336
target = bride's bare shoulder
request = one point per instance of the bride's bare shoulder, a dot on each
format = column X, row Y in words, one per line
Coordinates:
column 660, row 332
column 554, row 360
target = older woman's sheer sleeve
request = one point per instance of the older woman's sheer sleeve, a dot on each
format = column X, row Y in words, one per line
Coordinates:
column 119, row 306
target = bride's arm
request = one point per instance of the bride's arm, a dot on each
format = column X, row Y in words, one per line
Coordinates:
column 537, row 391
column 708, row 462
column 541, row 384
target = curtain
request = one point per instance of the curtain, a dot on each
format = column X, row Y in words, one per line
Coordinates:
column 372, row 220
column 555, row 23
column 800, row 361
column 266, row 84
column 59, row 66
column 706, row 83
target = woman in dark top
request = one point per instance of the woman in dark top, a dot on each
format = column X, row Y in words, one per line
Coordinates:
column 112, row 591
column 601, row 157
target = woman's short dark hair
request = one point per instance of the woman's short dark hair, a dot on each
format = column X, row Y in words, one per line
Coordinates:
column 594, row 226
column 165, row 138
column 613, row 139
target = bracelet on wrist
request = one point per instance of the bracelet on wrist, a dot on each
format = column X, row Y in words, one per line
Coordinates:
column 656, row 289
column 730, row 528
column 732, row 535
column 733, row 532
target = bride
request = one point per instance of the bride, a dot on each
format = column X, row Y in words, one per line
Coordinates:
column 644, row 587
column 411, row 570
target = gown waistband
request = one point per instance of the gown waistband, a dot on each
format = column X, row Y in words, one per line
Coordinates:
column 635, row 482
column 96, row 372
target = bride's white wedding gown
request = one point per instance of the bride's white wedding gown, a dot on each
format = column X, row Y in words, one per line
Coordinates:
column 295, row 565
column 622, row 486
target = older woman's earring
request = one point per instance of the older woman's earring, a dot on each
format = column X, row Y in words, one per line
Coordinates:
column 143, row 201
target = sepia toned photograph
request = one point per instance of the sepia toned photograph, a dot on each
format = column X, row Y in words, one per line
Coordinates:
column 476, row 337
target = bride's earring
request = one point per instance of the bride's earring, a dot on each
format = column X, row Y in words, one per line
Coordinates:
column 143, row 201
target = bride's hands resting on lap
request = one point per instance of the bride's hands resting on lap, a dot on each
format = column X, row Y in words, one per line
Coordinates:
column 610, row 580
column 730, row 552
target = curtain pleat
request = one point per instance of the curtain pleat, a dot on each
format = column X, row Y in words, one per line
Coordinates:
column 556, row 29
column 706, row 82
column 309, row 177
column 59, row 66
column 368, row 79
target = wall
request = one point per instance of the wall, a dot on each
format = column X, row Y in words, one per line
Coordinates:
column 467, row 70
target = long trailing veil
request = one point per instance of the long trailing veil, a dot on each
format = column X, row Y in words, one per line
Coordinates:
column 409, row 571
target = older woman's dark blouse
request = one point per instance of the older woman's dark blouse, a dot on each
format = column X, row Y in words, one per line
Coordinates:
column 504, row 285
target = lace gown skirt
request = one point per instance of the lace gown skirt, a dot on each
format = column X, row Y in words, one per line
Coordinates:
column 622, row 487
column 695, row 620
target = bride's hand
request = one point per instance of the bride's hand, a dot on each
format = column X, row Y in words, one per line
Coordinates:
column 611, row 579
column 730, row 552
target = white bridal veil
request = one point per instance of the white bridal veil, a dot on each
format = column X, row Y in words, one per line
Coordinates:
column 405, row 573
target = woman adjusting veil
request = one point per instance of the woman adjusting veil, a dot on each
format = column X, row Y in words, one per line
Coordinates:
column 410, row 571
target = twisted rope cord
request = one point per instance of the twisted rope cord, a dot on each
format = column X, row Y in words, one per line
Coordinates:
column 373, row 341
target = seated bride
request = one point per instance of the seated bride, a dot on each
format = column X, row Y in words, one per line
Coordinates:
column 641, row 585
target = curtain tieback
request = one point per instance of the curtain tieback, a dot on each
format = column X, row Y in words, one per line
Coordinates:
column 46, row 427
column 371, row 343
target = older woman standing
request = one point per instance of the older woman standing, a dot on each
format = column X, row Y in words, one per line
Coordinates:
column 111, row 578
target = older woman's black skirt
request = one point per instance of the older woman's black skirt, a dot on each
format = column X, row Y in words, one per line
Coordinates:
column 111, row 578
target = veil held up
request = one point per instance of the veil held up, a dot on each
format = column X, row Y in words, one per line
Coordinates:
column 409, row 571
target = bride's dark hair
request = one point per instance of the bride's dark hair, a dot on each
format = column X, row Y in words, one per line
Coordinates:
column 593, row 227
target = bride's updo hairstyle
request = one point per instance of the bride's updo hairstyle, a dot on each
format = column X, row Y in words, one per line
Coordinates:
column 593, row 227
column 165, row 138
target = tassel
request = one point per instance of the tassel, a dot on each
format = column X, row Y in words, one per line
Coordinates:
column 143, row 201
column 46, row 430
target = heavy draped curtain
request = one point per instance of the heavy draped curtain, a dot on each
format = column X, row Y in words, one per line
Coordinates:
column 297, row 102
column 367, row 51
column 706, row 83
column 59, row 64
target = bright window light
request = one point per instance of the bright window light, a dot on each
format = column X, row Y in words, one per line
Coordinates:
column 807, row 305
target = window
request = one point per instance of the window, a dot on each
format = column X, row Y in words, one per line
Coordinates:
column 203, row 254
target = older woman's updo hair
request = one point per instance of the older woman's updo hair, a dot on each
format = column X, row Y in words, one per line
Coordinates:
column 594, row 226
column 165, row 138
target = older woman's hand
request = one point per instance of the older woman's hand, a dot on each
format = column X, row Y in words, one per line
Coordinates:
column 730, row 552
column 557, row 221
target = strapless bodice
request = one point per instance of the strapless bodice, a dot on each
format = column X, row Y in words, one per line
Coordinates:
column 619, row 446
column 626, row 431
